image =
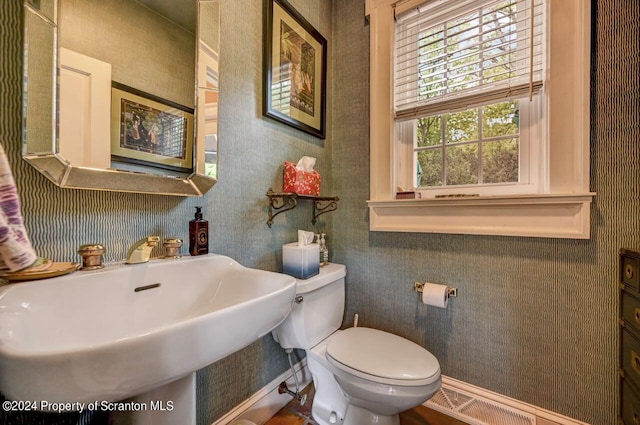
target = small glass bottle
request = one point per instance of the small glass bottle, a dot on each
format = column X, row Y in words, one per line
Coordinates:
column 324, row 252
column 319, row 242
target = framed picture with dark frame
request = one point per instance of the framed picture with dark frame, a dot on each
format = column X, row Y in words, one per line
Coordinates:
column 295, row 69
column 150, row 131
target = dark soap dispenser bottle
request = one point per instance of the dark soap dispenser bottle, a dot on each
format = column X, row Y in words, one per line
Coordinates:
column 198, row 234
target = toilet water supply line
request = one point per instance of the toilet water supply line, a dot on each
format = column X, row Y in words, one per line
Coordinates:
column 282, row 388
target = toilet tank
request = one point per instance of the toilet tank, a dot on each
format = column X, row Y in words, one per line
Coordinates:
column 317, row 311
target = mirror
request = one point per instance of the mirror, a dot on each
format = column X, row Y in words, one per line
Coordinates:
column 122, row 95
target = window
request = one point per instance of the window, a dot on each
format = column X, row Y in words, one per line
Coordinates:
column 482, row 106
column 451, row 55
column 478, row 146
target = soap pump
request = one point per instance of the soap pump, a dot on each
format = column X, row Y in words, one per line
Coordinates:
column 198, row 234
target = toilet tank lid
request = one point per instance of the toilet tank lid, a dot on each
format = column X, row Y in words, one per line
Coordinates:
column 381, row 354
column 328, row 274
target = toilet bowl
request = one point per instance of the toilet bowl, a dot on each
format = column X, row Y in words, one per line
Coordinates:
column 362, row 376
column 382, row 372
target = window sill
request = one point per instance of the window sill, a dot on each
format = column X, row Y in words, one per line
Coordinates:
column 545, row 216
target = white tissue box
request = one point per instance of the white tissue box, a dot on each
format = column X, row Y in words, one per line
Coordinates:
column 301, row 261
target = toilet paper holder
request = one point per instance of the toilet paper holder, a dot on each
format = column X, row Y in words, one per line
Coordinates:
column 451, row 292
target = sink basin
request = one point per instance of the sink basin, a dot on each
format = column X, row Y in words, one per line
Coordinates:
column 127, row 329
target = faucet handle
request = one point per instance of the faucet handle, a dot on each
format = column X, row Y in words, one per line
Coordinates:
column 172, row 247
column 91, row 256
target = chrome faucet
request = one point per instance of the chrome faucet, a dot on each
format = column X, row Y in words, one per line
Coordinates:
column 140, row 252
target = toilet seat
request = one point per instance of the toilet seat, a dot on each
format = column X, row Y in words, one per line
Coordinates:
column 382, row 357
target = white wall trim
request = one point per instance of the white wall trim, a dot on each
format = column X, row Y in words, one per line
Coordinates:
column 265, row 403
column 548, row 215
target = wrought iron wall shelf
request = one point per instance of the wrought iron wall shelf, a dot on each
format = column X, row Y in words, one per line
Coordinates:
column 280, row 202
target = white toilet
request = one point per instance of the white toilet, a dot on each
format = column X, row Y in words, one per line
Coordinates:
column 362, row 376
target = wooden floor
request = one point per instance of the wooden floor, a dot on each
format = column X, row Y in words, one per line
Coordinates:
column 296, row 414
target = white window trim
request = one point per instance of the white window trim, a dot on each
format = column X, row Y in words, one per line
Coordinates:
column 561, row 209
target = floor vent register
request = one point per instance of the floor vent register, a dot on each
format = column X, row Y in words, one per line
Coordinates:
column 476, row 410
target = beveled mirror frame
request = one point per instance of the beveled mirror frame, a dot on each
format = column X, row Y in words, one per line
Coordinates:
column 40, row 121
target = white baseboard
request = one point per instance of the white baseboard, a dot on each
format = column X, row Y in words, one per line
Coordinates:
column 264, row 404
column 543, row 417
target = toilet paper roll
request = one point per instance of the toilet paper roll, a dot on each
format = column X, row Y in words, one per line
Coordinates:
column 435, row 295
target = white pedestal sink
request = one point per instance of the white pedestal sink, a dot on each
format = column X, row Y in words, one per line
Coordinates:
column 126, row 330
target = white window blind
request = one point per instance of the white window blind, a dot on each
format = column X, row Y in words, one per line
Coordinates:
column 453, row 55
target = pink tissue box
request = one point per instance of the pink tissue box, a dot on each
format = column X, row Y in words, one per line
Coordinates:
column 300, row 182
